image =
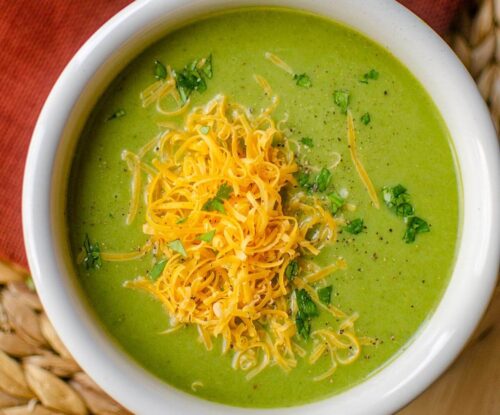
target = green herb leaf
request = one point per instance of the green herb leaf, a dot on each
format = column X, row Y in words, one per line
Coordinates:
column 410, row 235
column 92, row 253
column 192, row 66
column 303, row 325
column 208, row 236
column 117, row 114
column 202, row 85
column 302, row 80
column 307, row 141
column 394, row 196
column 372, row 74
column 306, row 305
column 191, row 78
column 224, row 191
column 292, row 270
column 214, row 204
column 183, row 92
column 365, row 118
column 355, row 226
column 205, row 129
column 323, row 179
column 404, row 209
column 307, row 309
column 157, row 269
column 217, row 203
column 160, row 70
column 414, row 226
column 181, row 220
column 325, row 294
column 303, row 179
column 207, row 67
column 336, row 201
column 341, row 99
column 177, row 247
column 397, row 199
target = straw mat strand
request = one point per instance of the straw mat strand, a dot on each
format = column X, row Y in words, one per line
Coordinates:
column 38, row 376
column 476, row 40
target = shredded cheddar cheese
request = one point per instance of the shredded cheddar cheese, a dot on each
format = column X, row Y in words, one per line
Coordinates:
column 214, row 213
column 263, row 84
column 363, row 175
column 271, row 57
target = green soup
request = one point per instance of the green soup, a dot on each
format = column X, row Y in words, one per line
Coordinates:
column 393, row 285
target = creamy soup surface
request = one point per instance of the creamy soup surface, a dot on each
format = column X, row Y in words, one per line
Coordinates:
column 401, row 139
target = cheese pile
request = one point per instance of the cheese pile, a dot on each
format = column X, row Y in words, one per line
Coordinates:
column 215, row 216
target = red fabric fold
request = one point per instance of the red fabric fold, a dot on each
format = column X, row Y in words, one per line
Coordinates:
column 38, row 38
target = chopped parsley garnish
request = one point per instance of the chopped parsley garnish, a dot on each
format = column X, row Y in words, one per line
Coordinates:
column 325, row 294
column 341, row 99
column 394, row 195
column 292, row 270
column 217, row 203
column 177, row 247
column 191, row 78
column 306, row 305
column 207, row 67
column 303, row 325
column 117, row 114
column 336, row 201
column 207, row 236
column 181, row 220
column 157, row 269
column 188, row 81
column 404, row 209
column 303, row 179
column 205, row 129
column 319, row 184
column 323, row 179
column 355, row 226
column 307, row 141
column 160, row 70
column 397, row 199
column 365, row 118
column 302, row 80
column 214, row 204
column 307, row 309
column 224, row 191
column 414, row 226
column 372, row 74
column 92, row 253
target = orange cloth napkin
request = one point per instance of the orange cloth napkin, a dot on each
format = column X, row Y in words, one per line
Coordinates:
column 37, row 39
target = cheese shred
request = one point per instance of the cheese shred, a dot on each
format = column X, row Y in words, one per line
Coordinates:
column 280, row 63
column 363, row 175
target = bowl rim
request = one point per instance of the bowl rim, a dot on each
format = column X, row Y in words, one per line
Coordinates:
column 438, row 341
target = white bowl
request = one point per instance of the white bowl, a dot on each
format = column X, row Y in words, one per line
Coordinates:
column 440, row 338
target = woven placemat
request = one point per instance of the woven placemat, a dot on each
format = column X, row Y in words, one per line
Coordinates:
column 475, row 37
column 38, row 376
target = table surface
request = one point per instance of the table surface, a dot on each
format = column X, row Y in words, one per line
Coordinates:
column 472, row 383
